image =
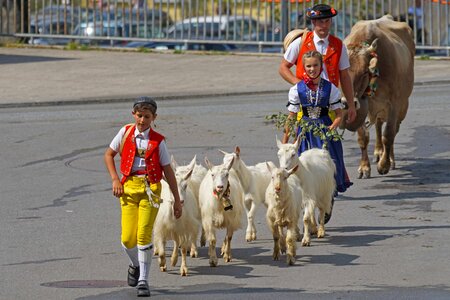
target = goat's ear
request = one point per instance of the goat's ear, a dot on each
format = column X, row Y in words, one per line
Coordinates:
column 278, row 142
column 237, row 150
column 173, row 162
column 223, row 152
column 188, row 174
column 192, row 163
column 297, row 142
column 230, row 163
column 209, row 165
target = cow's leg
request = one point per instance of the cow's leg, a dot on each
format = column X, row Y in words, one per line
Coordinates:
column 388, row 141
column 378, row 150
column 364, row 164
column 392, row 157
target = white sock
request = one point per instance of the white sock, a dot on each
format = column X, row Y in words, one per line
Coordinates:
column 145, row 261
column 132, row 255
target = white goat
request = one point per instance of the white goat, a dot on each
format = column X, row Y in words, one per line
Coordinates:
column 183, row 231
column 316, row 173
column 284, row 198
column 196, row 178
column 254, row 181
column 215, row 187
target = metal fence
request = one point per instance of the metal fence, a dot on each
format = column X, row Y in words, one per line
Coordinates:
column 253, row 25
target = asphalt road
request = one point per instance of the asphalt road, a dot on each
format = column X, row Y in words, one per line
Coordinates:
column 389, row 236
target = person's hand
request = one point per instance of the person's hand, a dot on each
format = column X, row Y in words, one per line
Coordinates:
column 177, row 209
column 117, row 187
column 332, row 127
column 351, row 114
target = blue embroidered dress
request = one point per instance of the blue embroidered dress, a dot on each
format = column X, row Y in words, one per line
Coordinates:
column 315, row 109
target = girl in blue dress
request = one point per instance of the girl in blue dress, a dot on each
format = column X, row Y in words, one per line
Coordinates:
column 313, row 97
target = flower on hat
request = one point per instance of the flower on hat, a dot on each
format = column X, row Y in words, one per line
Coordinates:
column 333, row 11
column 312, row 13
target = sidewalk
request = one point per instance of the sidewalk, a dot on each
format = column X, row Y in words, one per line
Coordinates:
column 31, row 76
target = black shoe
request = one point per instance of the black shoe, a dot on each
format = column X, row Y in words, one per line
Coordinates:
column 328, row 216
column 133, row 275
column 142, row 289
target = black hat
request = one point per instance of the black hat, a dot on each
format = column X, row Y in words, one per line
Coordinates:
column 145, row 100
column 321, row 11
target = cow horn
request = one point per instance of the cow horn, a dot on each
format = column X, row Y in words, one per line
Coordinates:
column 373, row 46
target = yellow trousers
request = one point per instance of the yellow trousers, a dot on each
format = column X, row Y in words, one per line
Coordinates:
column 138, row 213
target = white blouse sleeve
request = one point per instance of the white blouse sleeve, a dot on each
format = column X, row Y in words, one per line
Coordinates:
column 335, row 98
column 344, row 62
column 115, row 143
column 164, row 157
column 291, row 54
column 294, row 100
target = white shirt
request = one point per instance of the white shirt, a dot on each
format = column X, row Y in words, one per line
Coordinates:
column 141, row 144
column 292, row 52
column 294, row 99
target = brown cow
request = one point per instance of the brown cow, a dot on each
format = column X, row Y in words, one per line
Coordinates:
column 381, row 56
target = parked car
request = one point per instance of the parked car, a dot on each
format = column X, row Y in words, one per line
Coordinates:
column 210, row 27
column 166, row 45
column 50, row 27
column 63, row 11
column 158, row 18
column 114, row 29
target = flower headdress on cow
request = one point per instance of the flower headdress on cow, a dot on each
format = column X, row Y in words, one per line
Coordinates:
column 321, row 11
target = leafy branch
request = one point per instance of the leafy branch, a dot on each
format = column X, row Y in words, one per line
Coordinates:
column 317, row 129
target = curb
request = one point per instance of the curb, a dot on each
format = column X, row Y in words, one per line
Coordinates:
column 125, row 99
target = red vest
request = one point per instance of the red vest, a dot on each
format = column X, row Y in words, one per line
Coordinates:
column 330, row 59
column 153, row 168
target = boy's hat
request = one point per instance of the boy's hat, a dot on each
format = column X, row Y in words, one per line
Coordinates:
column 321, row 11
column 146, row 100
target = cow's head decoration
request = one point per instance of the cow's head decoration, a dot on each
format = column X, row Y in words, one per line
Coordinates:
column 364, row 73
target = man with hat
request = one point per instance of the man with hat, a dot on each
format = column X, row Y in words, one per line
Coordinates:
column 335, row 56
column 335, row 60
